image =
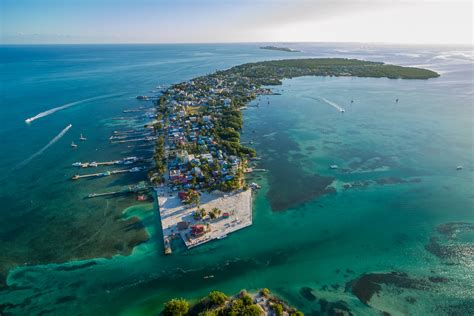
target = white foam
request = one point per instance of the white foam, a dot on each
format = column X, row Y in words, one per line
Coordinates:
column 269, row 135
column 39, row 152
column 65, row 106
column 336, row 106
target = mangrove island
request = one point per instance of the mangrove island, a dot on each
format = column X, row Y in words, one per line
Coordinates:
column 283, row 49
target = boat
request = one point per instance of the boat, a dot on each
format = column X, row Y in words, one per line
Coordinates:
column 73, row 145
column 396, row 100
column 254, row 186
column 142, row 97
column 77, row 164
column 82, row 138
column 135, row 169
column 92, row 195
column 93, row 164
column 28, row 120
column 333, row 166
column 342, row 110
column 459, row 167
column 222, row 237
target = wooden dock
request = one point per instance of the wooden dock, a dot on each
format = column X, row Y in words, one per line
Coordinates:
column 131, row 189
column 148, row 139
column 250, row 170
column 105, row 174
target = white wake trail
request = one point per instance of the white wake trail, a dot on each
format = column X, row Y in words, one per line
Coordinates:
column 333, row 104
column 68, row 105
column 39, row 152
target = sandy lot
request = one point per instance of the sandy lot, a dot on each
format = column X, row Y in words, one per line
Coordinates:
column 238, row 204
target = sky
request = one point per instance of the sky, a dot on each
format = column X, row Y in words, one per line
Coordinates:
column 215, row 21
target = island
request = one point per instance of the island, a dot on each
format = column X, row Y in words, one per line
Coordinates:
column 217, row 303
column 283, row 49
column 200, row 162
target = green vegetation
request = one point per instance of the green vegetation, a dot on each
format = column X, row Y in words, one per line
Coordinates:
column 228, row 127
column 246, row 298
column 176, row 307
column 272, row 72
column 278, row 308
column 218, row 304
column 215, row 213
column 159, row 157
column 217, row 298
column 283, row 49
column 193, row 198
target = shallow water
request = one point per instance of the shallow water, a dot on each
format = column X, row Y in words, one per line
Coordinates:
column 400, row 159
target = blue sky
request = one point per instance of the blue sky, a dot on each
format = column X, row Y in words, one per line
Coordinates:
column 188, row 21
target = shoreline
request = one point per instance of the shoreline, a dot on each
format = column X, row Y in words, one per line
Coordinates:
column 198, row 146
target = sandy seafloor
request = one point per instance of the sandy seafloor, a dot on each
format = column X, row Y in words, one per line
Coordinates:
column 394, row 232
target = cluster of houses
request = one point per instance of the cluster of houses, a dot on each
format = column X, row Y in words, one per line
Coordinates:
column 200, row 171
column 195, row 159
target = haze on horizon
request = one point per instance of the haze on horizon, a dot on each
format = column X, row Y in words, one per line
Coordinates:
column 195, row 21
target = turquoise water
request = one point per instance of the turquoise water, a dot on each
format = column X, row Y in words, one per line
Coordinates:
column 400, row 159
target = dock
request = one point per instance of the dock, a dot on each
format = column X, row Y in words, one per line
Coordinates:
column 124, row 161
column 126, row 132
column 125, row 136
column 147, row 139
column 140, row 109
column 105, row 174
column 250, row 170
column 131, row 189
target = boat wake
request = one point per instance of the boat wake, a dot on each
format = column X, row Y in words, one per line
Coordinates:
column 336, row 106
column 68, row 105
column 39, row 152
column 269, row 135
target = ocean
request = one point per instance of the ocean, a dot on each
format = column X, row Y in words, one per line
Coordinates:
column 393, row 231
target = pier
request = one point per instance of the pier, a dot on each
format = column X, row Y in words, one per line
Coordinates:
column 105, row 174
column 250, row 170
column 124, row 161
column 125, row 136
column 131, row 189
column 147, row 139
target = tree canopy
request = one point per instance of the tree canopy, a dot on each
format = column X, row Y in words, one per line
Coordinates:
column 176, row 307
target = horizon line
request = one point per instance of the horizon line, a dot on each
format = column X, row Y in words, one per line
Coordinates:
column 243, row 42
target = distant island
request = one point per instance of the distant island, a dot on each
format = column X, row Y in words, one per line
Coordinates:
column 199, row 160
column 244, row 303
column 283, row 49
